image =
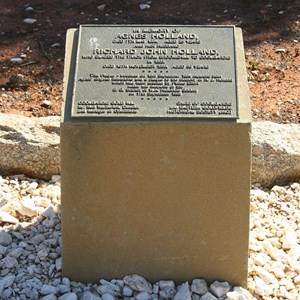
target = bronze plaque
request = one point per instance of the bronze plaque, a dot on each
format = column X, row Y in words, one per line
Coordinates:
column 155, row 71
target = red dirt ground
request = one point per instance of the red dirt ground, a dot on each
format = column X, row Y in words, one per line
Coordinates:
column 271, row 32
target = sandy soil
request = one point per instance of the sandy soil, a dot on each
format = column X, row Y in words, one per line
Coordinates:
column 271, row 32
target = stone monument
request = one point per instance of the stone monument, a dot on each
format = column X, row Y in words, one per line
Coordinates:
column 155, row 153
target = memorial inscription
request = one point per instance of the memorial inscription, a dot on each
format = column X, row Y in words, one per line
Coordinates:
column 155, row 71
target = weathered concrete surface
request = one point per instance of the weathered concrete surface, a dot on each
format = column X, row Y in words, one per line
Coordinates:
column 29, row 146
column 275, row 153
column 155, row 198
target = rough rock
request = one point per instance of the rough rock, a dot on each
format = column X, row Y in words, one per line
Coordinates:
column 155, row 288
column 275, row 153
column 27, row 207
column 29, row 146
column 127, row 291
column 219, row 289
column 138, row 283
column 63, row 289
column 105, row 289
column 48, row 289
column 167, row 289
column 87, row 295
column 166, row 284
column 108, row 297
column 289, row 240
column 6, row 282
column 261, row 259
column 261, row 288
column 236, row 296
column 68, row 296
column 112, row 286
column 50, row 297
column 266, row 276
column 58, row 264
column 5, row 238
column 208, row 296
column 2, row 250
column 49, row 212
column 239, row 293
column 199, row 286
column 183, row 292
column 55, row 178
column 167, row 293
column 7, row 218
column 142, row 296
column 9, row 262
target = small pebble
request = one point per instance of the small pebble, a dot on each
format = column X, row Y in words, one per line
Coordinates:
column 29, row 21
column 46, row 103
column 16, row 60
column 280, row 50
column 101, row 7
column 144, row 6
column 55, row 178
column 29, row 8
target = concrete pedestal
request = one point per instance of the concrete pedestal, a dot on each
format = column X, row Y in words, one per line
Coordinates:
column 166, row 200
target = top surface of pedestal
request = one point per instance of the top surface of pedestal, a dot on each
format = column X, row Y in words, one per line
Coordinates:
column 145, row 71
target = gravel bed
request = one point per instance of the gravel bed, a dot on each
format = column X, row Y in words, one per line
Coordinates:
column 30, row 251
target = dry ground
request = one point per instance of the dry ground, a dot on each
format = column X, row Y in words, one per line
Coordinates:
column 271, row 34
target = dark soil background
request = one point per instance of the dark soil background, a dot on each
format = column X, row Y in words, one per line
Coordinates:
column 33, row 87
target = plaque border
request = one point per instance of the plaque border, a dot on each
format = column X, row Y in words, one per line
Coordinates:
column 94, row 118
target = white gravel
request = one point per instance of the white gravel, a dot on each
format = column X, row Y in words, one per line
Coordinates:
column 30, row 251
